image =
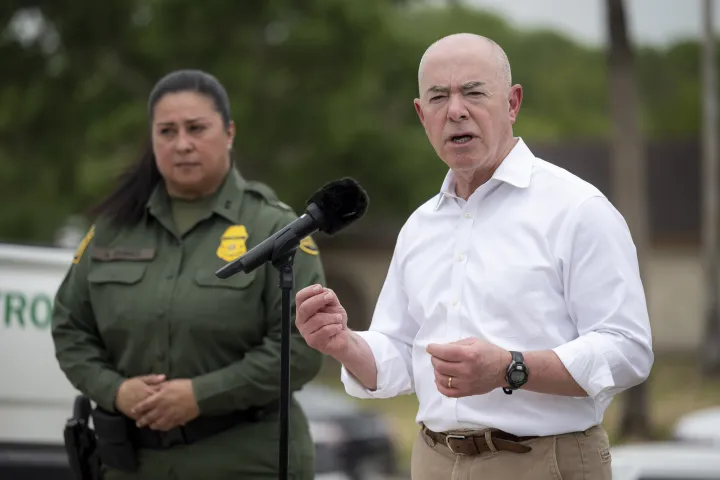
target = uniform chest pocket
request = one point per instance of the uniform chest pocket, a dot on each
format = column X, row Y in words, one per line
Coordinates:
column 114, row 290
column 227, row 300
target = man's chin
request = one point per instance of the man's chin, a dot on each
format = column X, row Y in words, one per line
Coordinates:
column 463, row 163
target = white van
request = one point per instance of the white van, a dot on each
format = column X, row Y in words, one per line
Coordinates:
column 35, row 397
column 665, row 461
column 700, row 426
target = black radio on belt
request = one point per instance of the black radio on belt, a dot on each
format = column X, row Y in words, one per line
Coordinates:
column 516, row 374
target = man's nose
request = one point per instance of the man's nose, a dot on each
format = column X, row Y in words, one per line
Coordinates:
column 457, row 111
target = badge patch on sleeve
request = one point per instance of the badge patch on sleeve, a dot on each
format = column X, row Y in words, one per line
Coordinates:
column 308, row 246
column 233, row 243
column 83, row 245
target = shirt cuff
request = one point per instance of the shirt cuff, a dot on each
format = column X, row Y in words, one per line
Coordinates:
column 588, row 367
column 209, row 393
column 393, row 370
column 109, row 382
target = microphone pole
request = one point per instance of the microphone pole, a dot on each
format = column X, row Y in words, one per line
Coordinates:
column 279, row 250
column 284, row 265
column 330, row 209
column 283, row 260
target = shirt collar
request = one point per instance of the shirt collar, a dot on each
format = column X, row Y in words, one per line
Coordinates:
column 516, row 170
column 226, row 202
column 517, row 167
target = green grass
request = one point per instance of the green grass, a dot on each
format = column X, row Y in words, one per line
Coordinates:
column 676, row 388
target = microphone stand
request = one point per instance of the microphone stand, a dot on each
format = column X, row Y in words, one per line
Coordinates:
column 282, row 258
column 345, row 201
column 283, row 262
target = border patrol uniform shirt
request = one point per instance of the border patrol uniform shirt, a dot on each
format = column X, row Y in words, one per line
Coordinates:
column 536, row 259
column 145, row 299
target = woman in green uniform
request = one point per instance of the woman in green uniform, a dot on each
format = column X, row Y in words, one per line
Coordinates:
column 143, row 327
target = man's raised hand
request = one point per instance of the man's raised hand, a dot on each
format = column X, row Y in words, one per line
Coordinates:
column 322, row 320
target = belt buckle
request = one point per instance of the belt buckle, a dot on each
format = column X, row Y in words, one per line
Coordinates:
column 448, row 437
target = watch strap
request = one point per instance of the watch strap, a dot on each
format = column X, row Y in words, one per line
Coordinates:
column 517, row 358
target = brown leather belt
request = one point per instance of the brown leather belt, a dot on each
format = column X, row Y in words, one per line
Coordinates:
column 478, row 444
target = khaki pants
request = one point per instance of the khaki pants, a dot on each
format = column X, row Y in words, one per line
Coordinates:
column 571, row 456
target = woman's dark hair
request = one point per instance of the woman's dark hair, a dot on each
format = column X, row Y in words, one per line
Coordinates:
column 126, row 204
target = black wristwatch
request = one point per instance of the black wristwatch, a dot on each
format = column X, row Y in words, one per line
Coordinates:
column 516, row 374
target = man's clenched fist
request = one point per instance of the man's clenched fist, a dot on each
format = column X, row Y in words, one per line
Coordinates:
column 322, row 320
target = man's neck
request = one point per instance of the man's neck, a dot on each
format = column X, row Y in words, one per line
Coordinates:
column 467, row 182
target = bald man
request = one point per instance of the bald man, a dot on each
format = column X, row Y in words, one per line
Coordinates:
column 513, row 306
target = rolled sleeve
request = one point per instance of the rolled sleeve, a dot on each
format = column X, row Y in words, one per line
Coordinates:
column 390, row 337
column 606, row 300
column 392, row 360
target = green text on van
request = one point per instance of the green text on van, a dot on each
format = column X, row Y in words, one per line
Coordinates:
column 21, row 310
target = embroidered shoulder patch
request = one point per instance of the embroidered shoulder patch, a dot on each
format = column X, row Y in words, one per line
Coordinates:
column 308, row 246
column 83, row 245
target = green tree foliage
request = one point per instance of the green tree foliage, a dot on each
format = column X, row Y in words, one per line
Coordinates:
column 319, row 89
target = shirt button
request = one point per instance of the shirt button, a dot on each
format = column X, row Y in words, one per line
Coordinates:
column 455, row 302
column 467, row 215
column 461, row 257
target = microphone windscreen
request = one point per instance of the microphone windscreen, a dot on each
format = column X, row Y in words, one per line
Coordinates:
column 342, row 202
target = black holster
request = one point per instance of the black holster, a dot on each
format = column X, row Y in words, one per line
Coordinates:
column 114, row 443
column 80, row 444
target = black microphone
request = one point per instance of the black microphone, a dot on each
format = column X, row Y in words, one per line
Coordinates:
column 335, row 206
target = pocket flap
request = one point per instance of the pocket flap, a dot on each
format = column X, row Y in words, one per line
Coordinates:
column 207, row 278
column 125, row 273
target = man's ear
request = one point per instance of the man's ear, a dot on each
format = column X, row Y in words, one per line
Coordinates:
column 418, row 109
column 515, row 100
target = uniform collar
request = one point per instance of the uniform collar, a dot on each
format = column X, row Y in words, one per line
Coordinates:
column 516, row 170
column 226, row 202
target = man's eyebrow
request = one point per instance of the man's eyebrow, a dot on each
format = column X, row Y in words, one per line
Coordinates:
column 446, row 89
column 438, row 89
column 471, row 85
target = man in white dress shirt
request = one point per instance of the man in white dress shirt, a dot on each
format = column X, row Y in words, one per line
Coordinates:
column 513, row 306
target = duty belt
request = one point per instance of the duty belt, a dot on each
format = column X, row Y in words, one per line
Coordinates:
column 195, row 430
column 480, row 443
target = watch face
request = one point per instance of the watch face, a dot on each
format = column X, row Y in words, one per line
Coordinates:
column 517, row 376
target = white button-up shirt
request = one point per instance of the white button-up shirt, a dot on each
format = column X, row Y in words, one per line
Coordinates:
column 536, row 259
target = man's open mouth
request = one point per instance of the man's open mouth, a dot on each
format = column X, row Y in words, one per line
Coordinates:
column 460, row 139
